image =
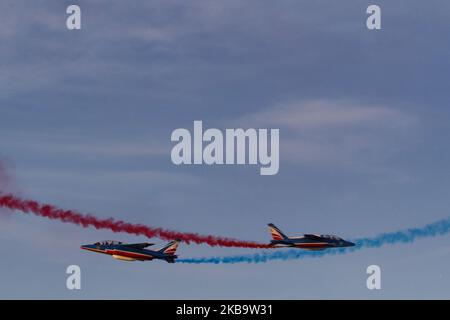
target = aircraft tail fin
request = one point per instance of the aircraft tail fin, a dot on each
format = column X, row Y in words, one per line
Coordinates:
column 276, row 233
column 170, row 248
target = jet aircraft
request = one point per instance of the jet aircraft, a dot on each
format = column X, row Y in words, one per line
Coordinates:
column 134, row 251
column 307, row 241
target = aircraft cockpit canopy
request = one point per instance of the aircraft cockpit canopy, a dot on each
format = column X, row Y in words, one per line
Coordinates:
column 332, row 237
column 108, row 243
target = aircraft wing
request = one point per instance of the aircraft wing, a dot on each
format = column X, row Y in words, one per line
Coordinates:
column 138, row 245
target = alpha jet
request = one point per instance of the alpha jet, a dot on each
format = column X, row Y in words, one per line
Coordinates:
column 134, row 251
column 307, row 241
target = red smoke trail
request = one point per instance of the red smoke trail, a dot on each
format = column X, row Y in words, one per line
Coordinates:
column 68, row 216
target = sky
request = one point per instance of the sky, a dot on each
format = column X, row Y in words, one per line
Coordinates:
column 86, row 118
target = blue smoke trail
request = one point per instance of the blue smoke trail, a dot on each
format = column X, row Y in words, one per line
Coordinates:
column 438, row 228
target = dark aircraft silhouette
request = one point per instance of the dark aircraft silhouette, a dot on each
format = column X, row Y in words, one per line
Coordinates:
column 134, row 251
column 307, row 241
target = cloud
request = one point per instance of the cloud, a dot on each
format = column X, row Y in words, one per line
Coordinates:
column 82, row 145
column 326, row 132
column 329, row 115
column 118, row 177
column 118, row 149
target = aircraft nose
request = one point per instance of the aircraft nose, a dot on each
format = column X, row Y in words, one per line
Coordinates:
column 85, row 247
column 350, row 244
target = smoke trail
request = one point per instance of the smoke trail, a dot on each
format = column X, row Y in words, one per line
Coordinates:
column 68, row 216
column 438, row 228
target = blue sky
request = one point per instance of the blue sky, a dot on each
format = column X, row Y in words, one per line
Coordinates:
column 86, row 118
